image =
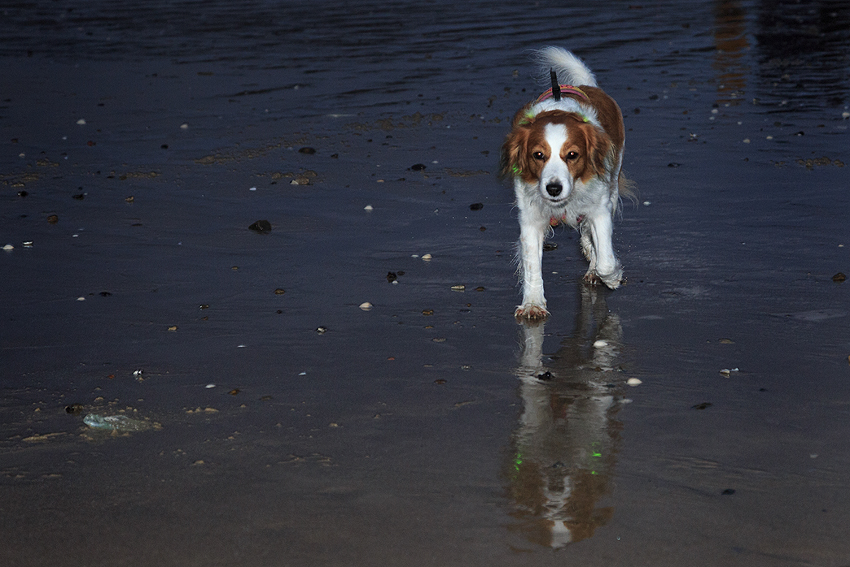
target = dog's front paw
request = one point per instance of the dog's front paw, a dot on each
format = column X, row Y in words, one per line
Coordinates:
column 613, row 280
column 530, row 312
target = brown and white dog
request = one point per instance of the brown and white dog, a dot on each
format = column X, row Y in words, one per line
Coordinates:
column 564, row 154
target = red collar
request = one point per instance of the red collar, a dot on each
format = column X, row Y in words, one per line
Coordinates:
column 565, row 89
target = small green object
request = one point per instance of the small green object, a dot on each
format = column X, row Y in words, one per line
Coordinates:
column 114, row 422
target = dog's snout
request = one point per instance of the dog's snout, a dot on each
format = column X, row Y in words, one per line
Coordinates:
column 554, row 189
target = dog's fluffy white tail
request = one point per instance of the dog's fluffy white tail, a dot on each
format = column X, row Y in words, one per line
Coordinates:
column 570, row 69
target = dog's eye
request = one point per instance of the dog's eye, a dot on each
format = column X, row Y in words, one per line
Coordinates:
column 571, row 156
column 538, row 155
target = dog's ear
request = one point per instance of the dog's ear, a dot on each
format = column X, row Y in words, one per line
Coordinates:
column 600, row 148
column 514, row 158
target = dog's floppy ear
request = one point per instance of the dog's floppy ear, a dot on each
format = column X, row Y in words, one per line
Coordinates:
column 514, row 158
column 600, row 148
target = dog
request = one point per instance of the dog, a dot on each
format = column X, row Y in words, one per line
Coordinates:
column 564, row 154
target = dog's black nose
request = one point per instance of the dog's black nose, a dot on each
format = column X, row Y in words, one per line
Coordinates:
column 554, row 189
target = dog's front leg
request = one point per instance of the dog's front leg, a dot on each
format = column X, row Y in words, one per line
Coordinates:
column 532, row 231
column 606, row 268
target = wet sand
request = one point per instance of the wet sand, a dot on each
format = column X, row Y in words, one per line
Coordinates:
column 289, row 426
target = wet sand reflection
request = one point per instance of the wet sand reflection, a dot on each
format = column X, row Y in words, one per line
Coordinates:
column 563, row 452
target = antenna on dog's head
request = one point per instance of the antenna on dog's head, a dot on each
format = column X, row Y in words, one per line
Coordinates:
column 556, row 88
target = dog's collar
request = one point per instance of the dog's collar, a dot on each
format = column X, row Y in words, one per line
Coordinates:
column 555, row 221
column 564, row 89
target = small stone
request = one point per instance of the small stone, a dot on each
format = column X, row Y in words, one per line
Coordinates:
column 600, row 343
column 74, row 409
column 426, row 257
column 839, row 277
column 172, row 328
column 418, row 167
column 279, row 291
column 368, row 208
column 458, row 288
column 52, row 219
column 8, row 248
column 307, row 151
column 81, row 121
column 634, row 382
column 321, row 330
column 476, row 206
column 261, row 227
column 366, row 306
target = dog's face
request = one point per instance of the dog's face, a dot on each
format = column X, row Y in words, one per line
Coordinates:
column 554, row 150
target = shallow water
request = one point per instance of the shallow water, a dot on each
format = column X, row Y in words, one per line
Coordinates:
column 425, row 430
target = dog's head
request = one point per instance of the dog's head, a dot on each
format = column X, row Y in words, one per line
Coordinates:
column 554, row 149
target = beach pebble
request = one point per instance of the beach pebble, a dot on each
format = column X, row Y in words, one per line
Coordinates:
column 728, row 371
column 184, row 126
column 81, row 121
column 634, row 382
column 458, row 288
column 261, row 226
column 366, row 306
column 368, row 208
column 600, row 343
column 426, row 257
column 8, row 247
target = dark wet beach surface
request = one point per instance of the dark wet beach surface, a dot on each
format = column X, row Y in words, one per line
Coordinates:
column 430, row 429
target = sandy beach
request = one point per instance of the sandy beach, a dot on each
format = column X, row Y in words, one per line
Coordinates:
column 346, row 384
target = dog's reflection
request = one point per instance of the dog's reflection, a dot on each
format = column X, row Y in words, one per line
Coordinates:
column 563, row 452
